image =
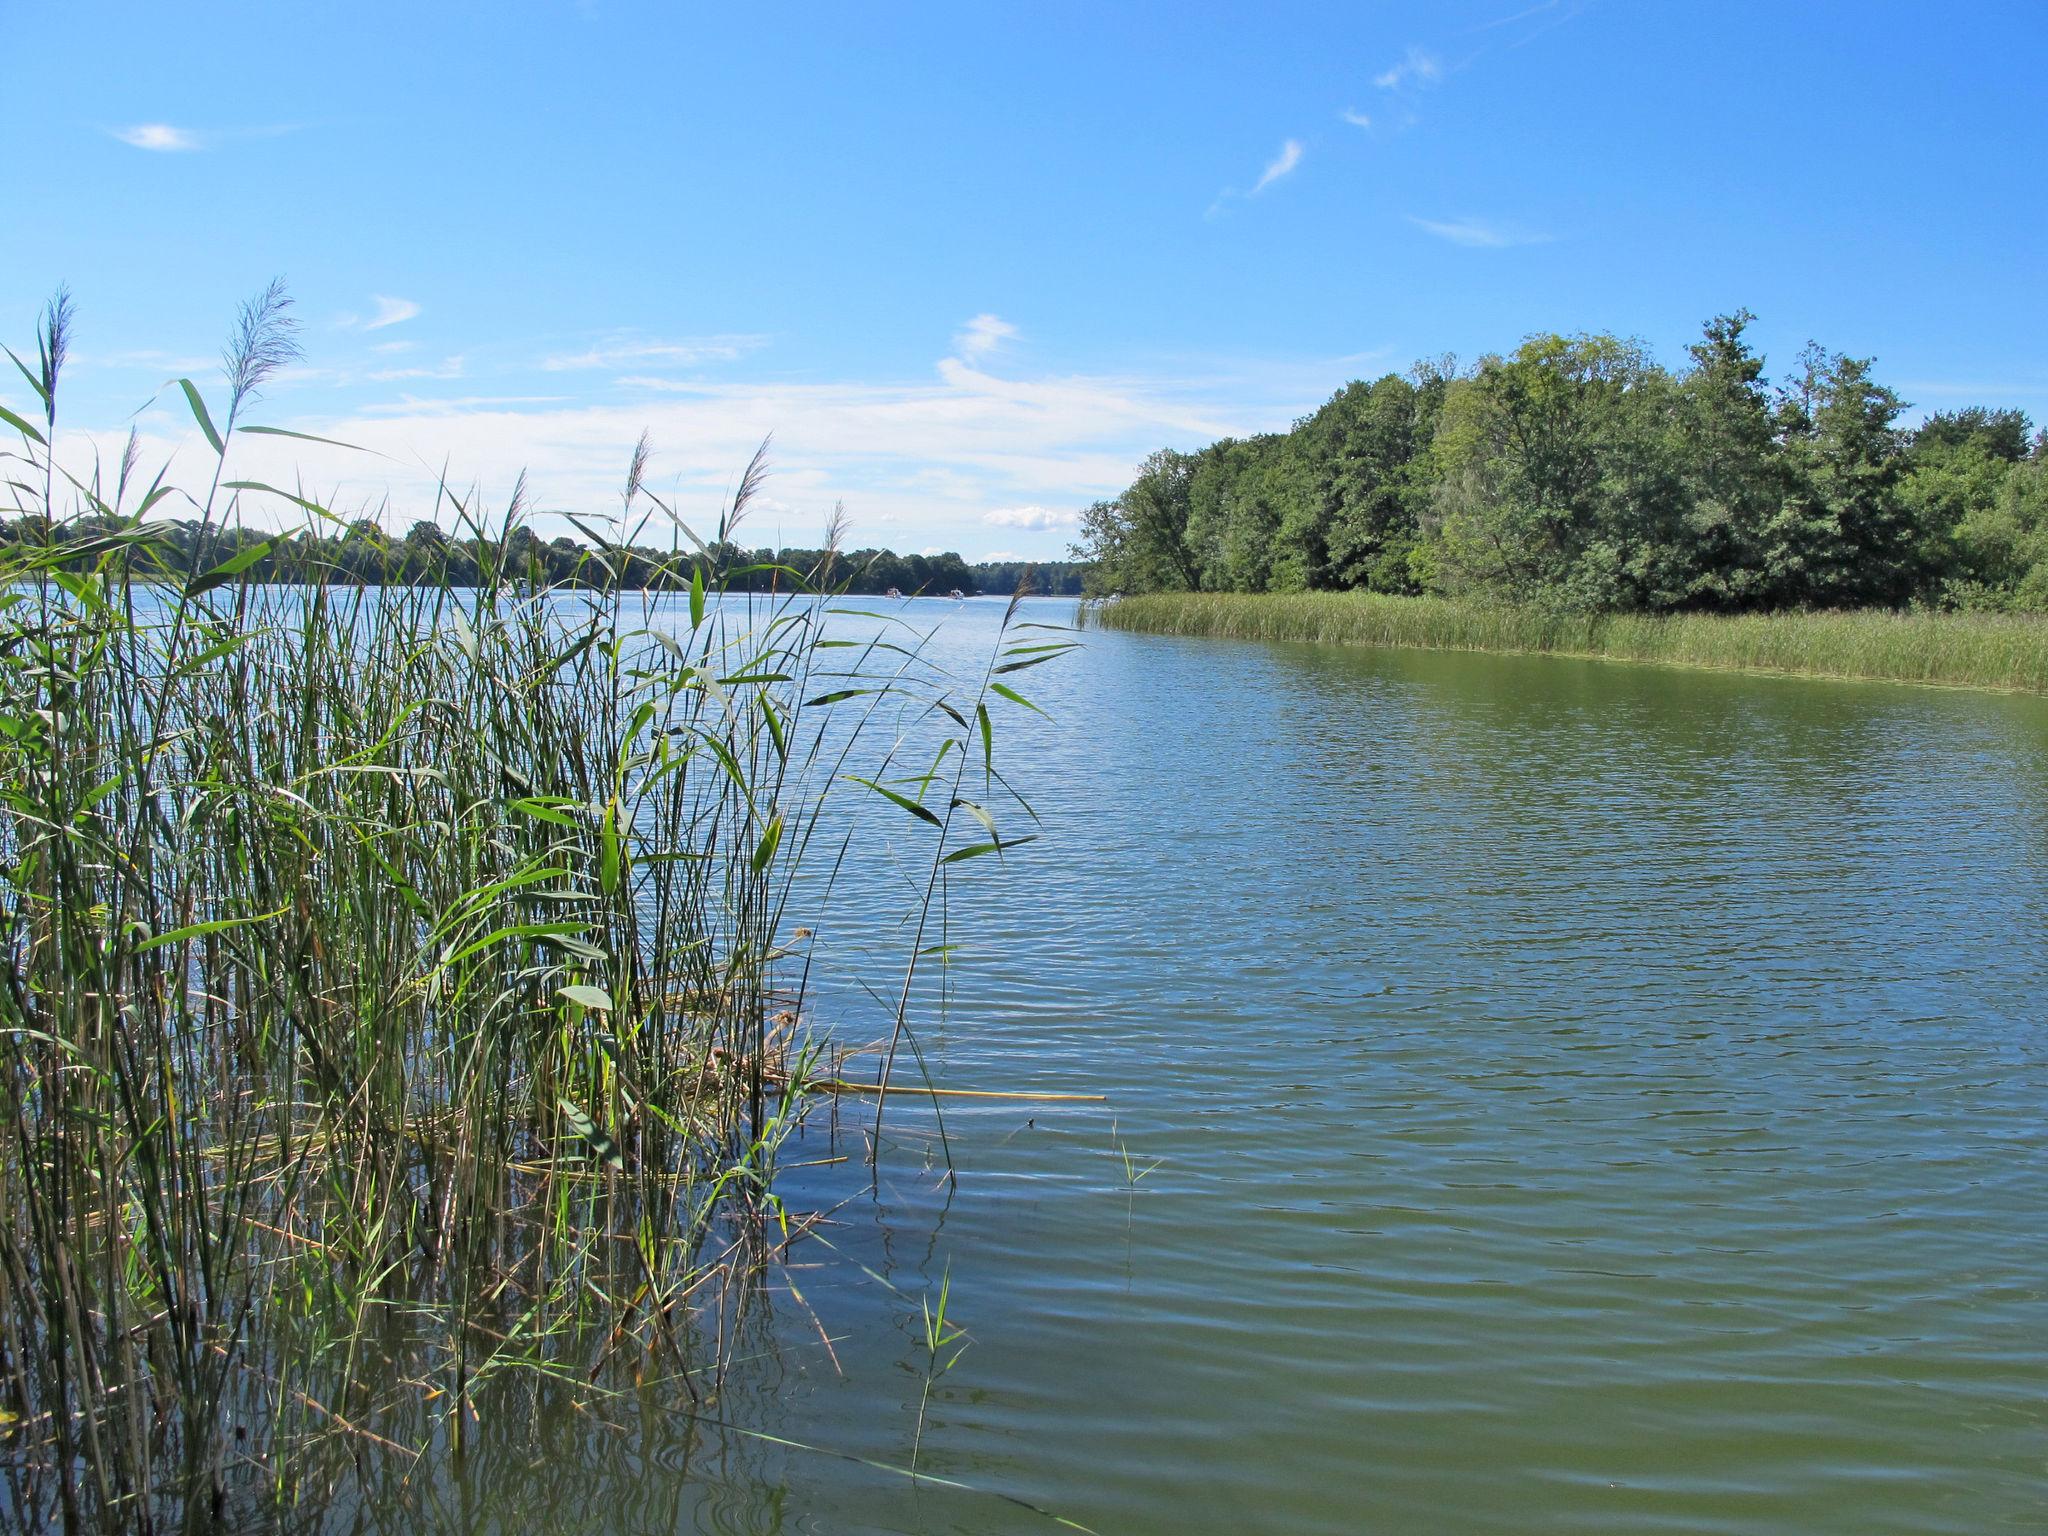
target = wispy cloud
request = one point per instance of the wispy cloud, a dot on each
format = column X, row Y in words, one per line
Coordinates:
column 1282, row 164
column 390, row 312
column 146, row 360
column 1419, row 67
column 1278, row 168
column 686, row 353
column 161, row 137
column 952, row 458
column 1037, row 519
column 983, row 335
column 1555, row 13
column 1479, row 232
column 447, row 368
column 1355, row 118
column 164, row 138
column 413, row 406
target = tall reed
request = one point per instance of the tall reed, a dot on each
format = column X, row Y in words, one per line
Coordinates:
column 401, row 987
column 1967, row 650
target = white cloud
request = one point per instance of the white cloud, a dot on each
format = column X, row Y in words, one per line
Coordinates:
column 1479, row 232
column 983, row 335
column 146, row 360
column 390, row 312
column 161, row 137
column 1037, row 519
column 1355, row 118
column 413, row 405
column 919, row 461
column 685, row 353
column 1280, row 165
column 448, row 368
column 1419, row 67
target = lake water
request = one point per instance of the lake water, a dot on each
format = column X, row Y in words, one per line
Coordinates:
column 1583, row 1098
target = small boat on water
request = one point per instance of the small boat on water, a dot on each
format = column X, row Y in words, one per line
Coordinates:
column 892, row 592
column 957, row 595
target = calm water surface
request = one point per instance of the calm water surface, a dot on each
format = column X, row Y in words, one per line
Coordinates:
column 1583, row 1098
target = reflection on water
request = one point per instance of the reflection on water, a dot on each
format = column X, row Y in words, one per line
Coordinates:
column 1586, row 1098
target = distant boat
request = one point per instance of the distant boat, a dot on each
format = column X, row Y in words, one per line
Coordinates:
column 957, row 595
column 892, row 592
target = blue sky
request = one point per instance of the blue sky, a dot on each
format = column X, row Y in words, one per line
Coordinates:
column 970, row 262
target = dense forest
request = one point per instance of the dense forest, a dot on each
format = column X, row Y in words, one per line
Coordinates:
column 363, row 553
column 1580, row 474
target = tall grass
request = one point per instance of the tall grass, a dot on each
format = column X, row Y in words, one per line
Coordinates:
column 401, row 988
column 1969, row 650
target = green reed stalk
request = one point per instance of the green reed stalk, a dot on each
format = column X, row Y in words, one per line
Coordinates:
column 400, row 990
column 1963, row 650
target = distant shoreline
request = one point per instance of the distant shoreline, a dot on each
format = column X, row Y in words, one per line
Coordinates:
column 2002, row 652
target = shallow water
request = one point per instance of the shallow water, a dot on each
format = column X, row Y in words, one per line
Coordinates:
column 1583, row 1097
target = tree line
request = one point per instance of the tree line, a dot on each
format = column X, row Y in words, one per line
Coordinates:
column 1579, row 473
column 363, row 553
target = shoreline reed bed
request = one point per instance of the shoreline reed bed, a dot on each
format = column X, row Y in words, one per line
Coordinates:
column 1953, row 650
column 403, row 1004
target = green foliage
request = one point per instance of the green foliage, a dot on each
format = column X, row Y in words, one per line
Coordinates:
column 1044, row 578
column 331, row 552
column 1554, row 487
column 2001, row 543
column 1579, row 475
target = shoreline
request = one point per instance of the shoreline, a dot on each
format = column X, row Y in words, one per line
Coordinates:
column 1990, row 652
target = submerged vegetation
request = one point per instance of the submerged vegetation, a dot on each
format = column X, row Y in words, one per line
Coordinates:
column 404, row 993
column 1578, row 476
column 1962, row 649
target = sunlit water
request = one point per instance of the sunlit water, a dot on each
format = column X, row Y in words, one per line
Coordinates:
column 1575, row 1097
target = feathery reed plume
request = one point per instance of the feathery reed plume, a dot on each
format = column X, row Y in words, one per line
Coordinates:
column 836, row 528
column 636, row 471
column 53, row 347
column 131, row 455
column 264, row 340
column 750, row 487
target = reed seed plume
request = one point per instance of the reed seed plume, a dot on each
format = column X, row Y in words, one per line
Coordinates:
column 636, row 471
column 264, row 339
column 54, row 347
column 750, row 486
column 131, row 455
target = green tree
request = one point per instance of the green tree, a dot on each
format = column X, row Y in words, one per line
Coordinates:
column 2001, row 547
column 1371, row 448
column 1844, row 535
column 1729, row 448
column 1560, row 482
column 1139, row 543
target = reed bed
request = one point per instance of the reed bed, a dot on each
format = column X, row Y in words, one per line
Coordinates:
column 401, row 988
column 1953, row 649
